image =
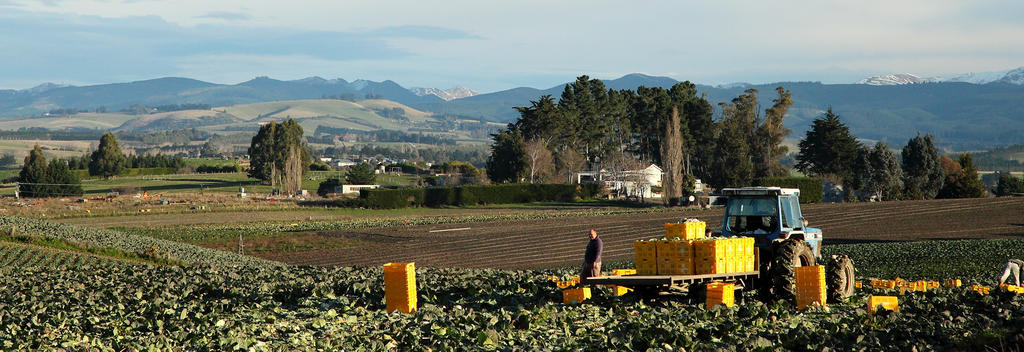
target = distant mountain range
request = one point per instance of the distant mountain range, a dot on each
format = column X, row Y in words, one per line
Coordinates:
column 446, row 94
column 959, row 111
column 1014, row 76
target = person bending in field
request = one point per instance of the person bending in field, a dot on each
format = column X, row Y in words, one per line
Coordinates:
column 1012, row 266
column 592, row 258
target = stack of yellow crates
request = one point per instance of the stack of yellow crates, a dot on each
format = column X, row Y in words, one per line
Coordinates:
column 576, row 295
column 675, row 257
column 400, row 287
column 645, row 257
column 885, row 302
column 722, row 256
column 1012, row 288
column 688, row 230
column 720, row 293
column 810, row 286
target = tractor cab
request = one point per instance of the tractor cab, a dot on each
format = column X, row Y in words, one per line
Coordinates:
column 767, row 214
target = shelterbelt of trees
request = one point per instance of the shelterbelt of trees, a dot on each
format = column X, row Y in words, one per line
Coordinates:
column 590, row 125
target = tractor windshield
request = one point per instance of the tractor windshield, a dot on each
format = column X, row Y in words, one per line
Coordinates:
column 752, row 215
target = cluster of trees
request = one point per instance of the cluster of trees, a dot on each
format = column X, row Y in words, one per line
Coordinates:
column 1001, row 158
column 392, row 113
column 1009, row 185
column 214, row 169
column 41, row 133
column 617, row 129
column 131, row 161
column 328, row 133
column 39, row 178
column 278, row 157
column 181, row 136
column 139, row 109
column 830, row 151
column 456, row 167
column 471, row 154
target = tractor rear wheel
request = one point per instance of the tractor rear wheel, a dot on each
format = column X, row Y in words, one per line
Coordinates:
column 840, row 277
column 789, row 254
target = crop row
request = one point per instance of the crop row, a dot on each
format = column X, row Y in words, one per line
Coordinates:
column 124, row 242
column 21, row 255
column 200, row 233
column 307, row 308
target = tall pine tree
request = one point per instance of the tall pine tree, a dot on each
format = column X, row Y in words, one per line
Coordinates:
column 829, row 149
column 277, row 156
column 33, row 174
column 107, row 160
column 508, row 162
column 922, row 170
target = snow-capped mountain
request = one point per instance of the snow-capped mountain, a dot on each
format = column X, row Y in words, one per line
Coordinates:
column 446, row 94
column 895, row 79
column 977, row 77
column 1014, row 76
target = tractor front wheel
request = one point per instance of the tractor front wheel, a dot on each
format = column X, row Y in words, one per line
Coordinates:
column 840, row 278
column 789, row 254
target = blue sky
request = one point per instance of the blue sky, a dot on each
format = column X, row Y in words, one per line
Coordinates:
column 489, row 46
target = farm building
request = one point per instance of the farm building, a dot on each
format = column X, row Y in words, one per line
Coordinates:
column 629, row 183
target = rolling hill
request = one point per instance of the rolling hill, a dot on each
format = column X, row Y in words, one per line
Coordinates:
column 962, row 116
column 364, row 115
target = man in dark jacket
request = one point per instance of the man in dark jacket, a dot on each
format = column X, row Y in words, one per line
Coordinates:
column 1012, row 266
column 592, row 259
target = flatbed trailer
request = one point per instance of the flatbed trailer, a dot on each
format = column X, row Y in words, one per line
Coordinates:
column 662, row 283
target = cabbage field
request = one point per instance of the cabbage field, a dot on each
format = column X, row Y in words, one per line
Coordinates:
column 59, row 299
column 203, row 307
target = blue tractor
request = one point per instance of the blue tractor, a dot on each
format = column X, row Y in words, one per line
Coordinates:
column 771, row 215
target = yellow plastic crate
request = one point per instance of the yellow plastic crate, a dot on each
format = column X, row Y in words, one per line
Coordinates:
column 622, row 272
column 689, row 230
column 747, row 243
column 810, row 286
column 710, row 266
column 576, row 295
column 695, row 229
column 675, row 266
column 675, row 229
column 981, row 289
column 952, row 283
column 885, row 302
column 920, row 286
column 400, row 287
column 675, row 257
column 748, row 263
column 810, row 274
column 720, row 293
column 645, row 257
column 884, row 284
column 621, row 290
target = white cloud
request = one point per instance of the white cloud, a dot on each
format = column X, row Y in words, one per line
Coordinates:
column 494, row 45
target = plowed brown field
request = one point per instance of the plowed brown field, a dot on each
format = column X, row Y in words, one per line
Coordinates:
column 560, row 241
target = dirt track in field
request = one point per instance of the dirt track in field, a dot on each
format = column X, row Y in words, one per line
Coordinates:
column 552, row 242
